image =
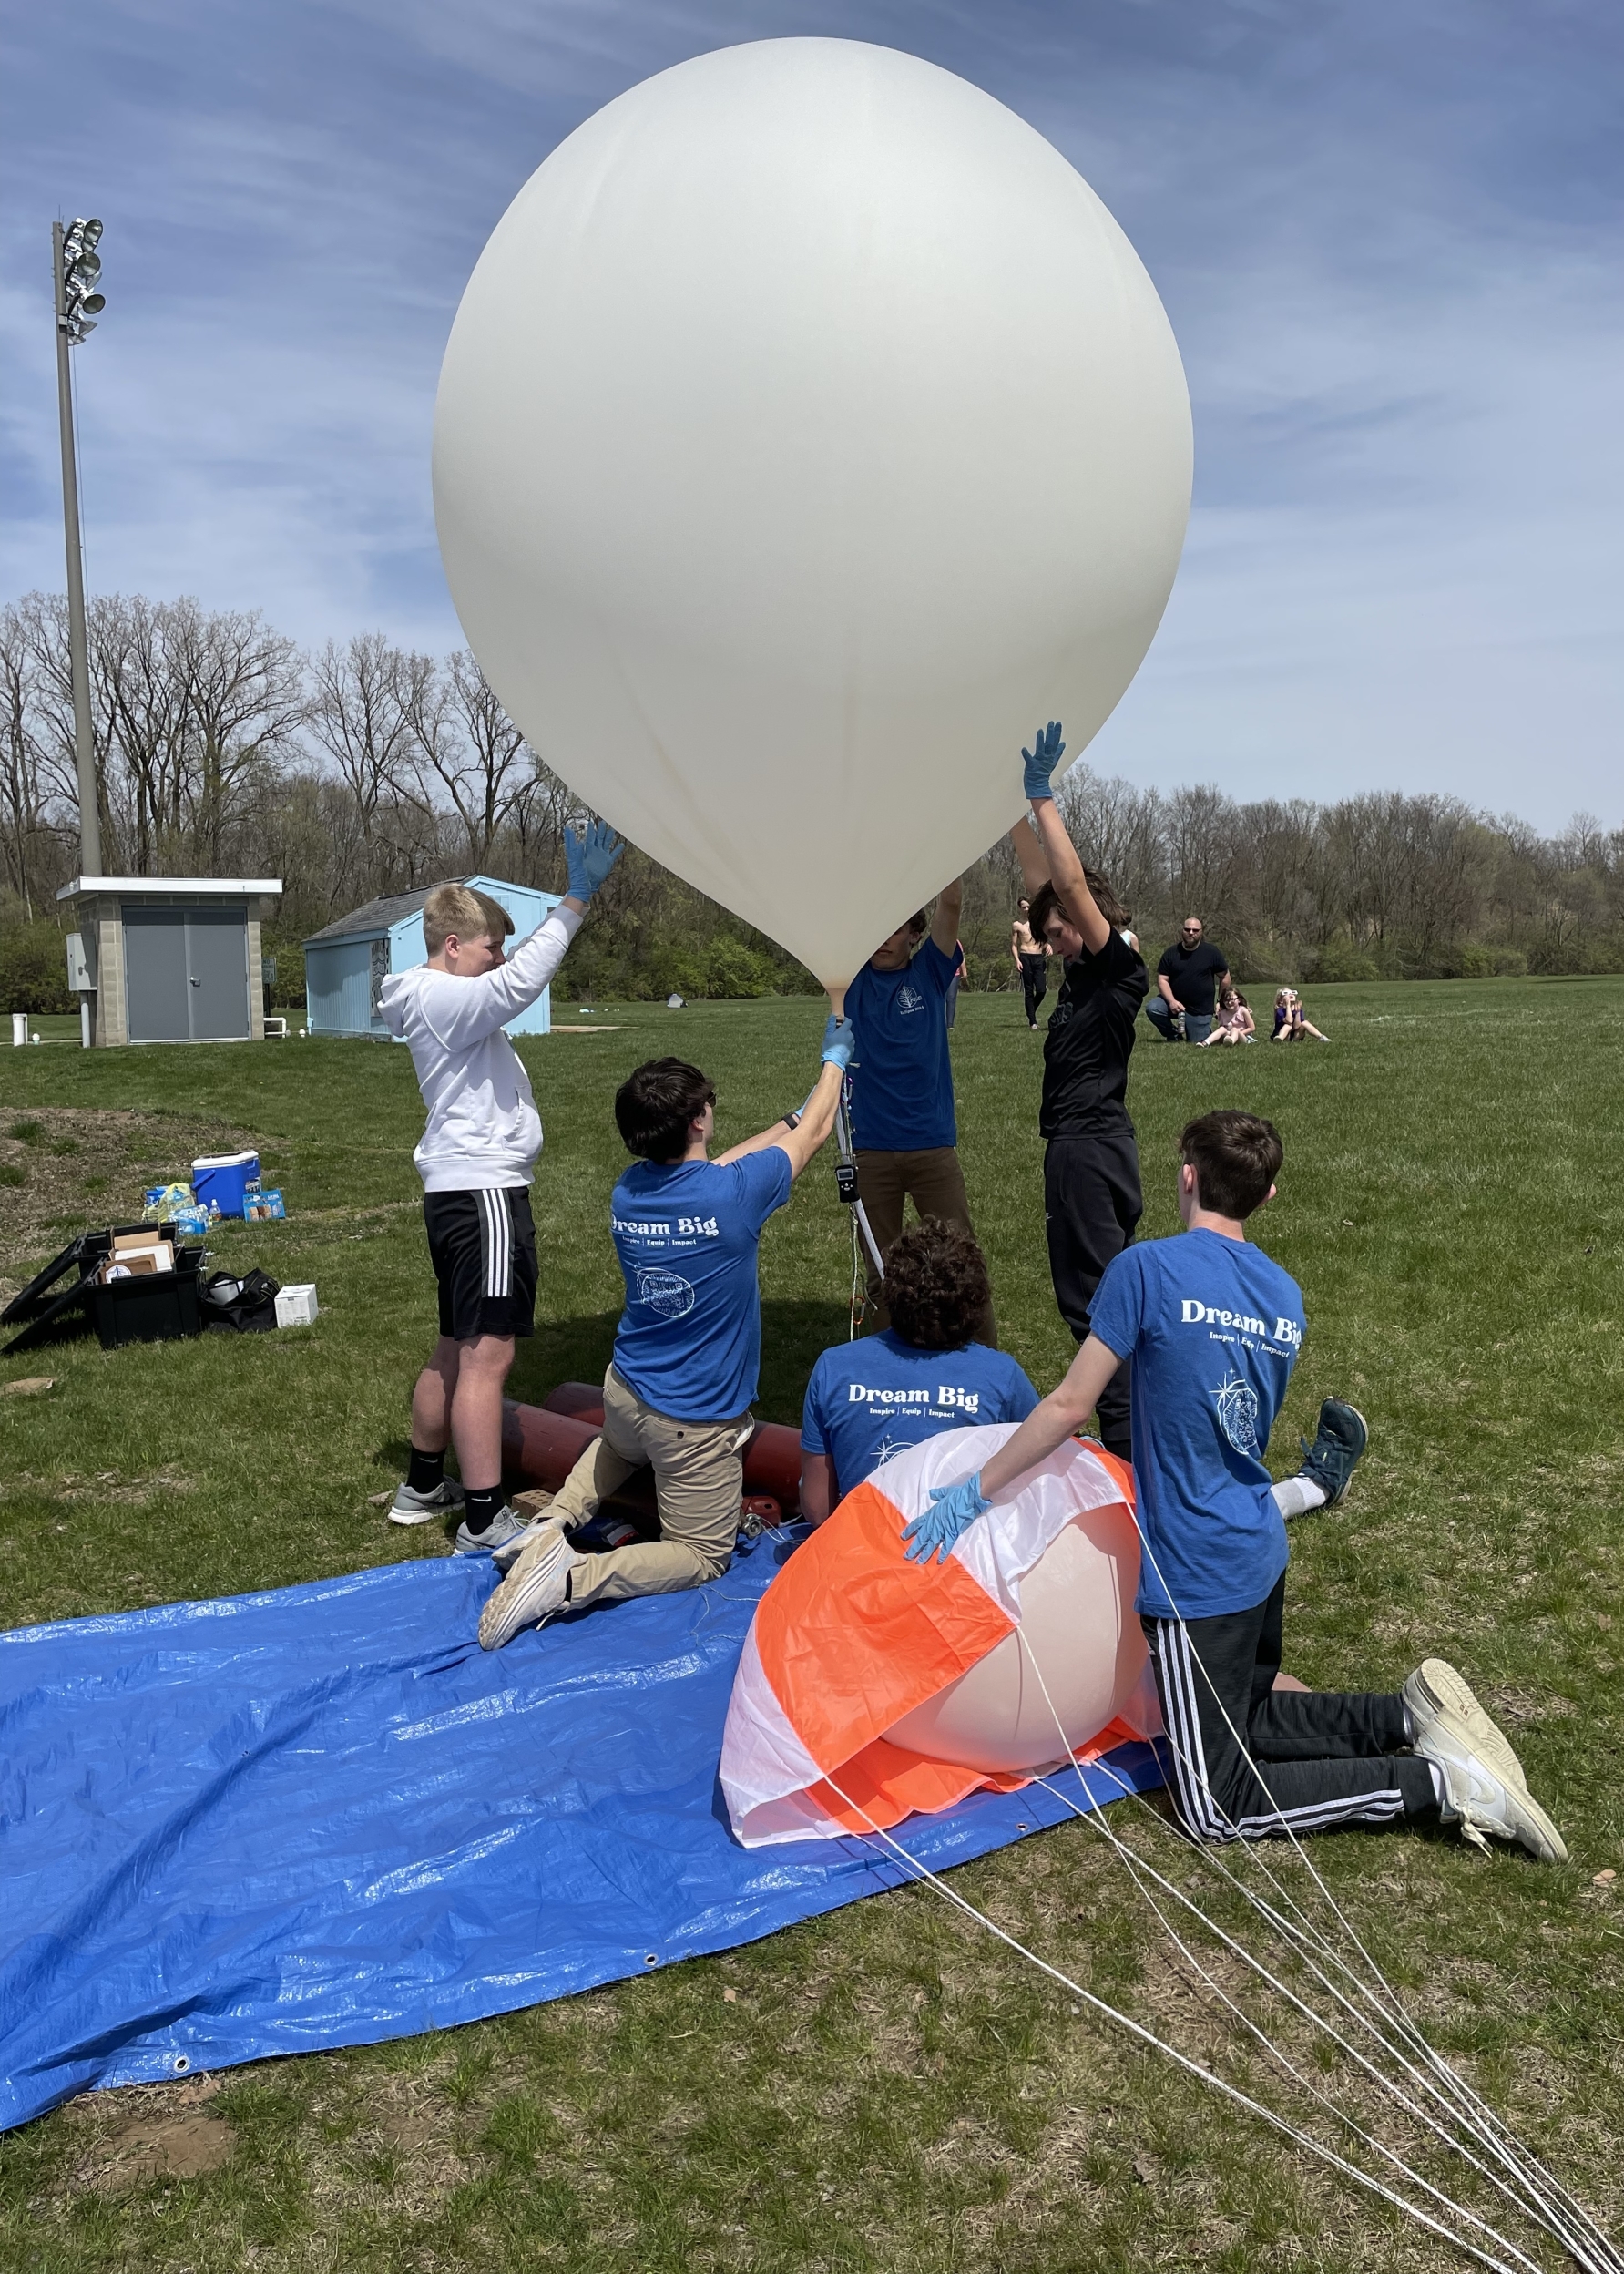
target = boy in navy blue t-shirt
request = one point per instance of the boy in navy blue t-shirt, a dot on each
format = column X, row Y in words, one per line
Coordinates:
column 688, row 1350
column 904, row 1132
column 925, row 1373
column 1213, row 1329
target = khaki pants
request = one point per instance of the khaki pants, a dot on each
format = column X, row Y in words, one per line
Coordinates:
column 933, row 1180
column 699, row 1478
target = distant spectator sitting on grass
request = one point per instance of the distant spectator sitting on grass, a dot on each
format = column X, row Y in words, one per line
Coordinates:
column 1292, row 1021
column 925, row 1373
column 1234, row 1022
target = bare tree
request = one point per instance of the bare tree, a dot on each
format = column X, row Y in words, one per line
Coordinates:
column 365, row 698
column 469, row 750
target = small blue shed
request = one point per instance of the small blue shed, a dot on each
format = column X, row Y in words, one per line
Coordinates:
column 347, row 962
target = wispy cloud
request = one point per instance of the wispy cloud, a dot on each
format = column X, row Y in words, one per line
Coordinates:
column 1385, row 231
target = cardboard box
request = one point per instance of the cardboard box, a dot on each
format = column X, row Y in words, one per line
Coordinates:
column 296, row 1306
column 136, row 1256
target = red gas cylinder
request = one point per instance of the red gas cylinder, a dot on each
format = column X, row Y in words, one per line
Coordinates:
column 542, row 1444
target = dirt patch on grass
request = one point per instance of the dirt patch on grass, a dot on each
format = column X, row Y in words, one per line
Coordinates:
column 68, row 1168
column 159, row 2134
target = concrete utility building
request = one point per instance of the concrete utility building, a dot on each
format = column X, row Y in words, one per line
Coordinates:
column 347, row 962
column 170, row 958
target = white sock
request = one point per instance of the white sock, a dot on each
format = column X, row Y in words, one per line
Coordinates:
column 1440, row 1787
column 1296, row 1495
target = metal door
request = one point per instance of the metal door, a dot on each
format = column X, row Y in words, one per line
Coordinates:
column 217, row 974
column 155, row 993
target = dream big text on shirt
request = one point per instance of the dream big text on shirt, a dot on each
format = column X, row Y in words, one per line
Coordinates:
column 686, row 1232
column 902, row 1076
column 870, row 1399
column 1213, row 1328
column 1090, row 1040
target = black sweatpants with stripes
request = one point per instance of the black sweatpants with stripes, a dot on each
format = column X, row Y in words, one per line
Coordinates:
column 1318, row 1758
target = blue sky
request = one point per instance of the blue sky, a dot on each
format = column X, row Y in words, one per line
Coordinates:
column 1386, row 233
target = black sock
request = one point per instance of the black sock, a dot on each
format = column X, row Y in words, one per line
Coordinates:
column 480, row 1503
column 427, row 1471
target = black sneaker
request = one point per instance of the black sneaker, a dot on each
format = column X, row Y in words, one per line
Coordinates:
column 1331, row 1459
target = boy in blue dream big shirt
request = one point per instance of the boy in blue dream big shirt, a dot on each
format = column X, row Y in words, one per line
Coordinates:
column 676, row 1396
column 1213, row 1329
column 925, row 1373
column 903, row 1130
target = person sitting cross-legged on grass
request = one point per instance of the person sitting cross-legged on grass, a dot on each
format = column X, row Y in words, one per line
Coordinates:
column 1213, row 1328
column 475, row 1159
column 1234, row 1022
column 687, row 1351
column 925, row 1373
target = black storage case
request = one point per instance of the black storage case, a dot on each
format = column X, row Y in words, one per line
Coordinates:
column 148, row 1306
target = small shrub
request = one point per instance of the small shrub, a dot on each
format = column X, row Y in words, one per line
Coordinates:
column 1339, row 961
column 9, row 1175
column 28, row 1132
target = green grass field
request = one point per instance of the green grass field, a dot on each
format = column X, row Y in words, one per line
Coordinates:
column 883, row 2088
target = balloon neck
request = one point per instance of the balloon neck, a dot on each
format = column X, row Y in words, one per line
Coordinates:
column 836, row 989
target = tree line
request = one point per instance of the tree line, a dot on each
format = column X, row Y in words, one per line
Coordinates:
column 364, row 769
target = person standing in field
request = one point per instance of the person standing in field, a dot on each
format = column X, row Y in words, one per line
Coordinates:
column 1188, row 980
column 1031, row 960
column 1091, row 1196
column 903, row 1127
column 475, row 1158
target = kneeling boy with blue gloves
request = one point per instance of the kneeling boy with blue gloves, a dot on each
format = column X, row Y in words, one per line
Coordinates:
column 476, row 1159
column 1213, row 1329
column 687, row 1348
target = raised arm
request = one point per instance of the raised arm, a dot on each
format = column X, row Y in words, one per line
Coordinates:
column 802, row 1133
column 482, row 1005
column 950, row 904
column 1064, row 867
column 1029, row 853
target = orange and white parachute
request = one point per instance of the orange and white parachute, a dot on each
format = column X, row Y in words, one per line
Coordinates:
column 871, row 1686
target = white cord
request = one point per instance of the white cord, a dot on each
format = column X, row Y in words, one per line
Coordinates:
column 1146, row 2036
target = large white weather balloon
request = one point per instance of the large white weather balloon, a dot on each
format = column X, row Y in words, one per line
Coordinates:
column 808, row 433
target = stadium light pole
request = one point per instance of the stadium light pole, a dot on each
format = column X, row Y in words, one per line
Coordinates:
column 78, row 269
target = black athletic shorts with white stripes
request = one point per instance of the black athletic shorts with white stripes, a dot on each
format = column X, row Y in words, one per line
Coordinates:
column 483, row 1244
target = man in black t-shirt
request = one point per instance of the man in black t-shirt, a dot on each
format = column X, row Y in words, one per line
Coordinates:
column 1091, row 1194
column 1188, row 979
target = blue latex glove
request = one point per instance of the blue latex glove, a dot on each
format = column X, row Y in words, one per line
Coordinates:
column 589, row 858
column 840, row 1039
column 954, row 1508
column 1041, row 762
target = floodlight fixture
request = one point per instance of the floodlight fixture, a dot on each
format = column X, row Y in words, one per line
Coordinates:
column 78, row 302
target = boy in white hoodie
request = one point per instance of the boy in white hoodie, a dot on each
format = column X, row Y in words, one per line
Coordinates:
column 476, row 1159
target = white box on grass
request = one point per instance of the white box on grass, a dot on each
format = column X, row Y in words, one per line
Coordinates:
column 296, row 1306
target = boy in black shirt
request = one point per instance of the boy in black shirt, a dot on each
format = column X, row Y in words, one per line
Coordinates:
column 1091, row 1194
column 1188, row 979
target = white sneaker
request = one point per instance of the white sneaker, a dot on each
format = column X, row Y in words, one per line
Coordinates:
column 422, row 1508
column 535, row 1591
column 506, row 1525
column 1480, row 1802
column 508, row 1554
column 1441, row 1700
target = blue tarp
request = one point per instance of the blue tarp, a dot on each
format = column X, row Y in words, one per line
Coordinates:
column 324, row 1816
